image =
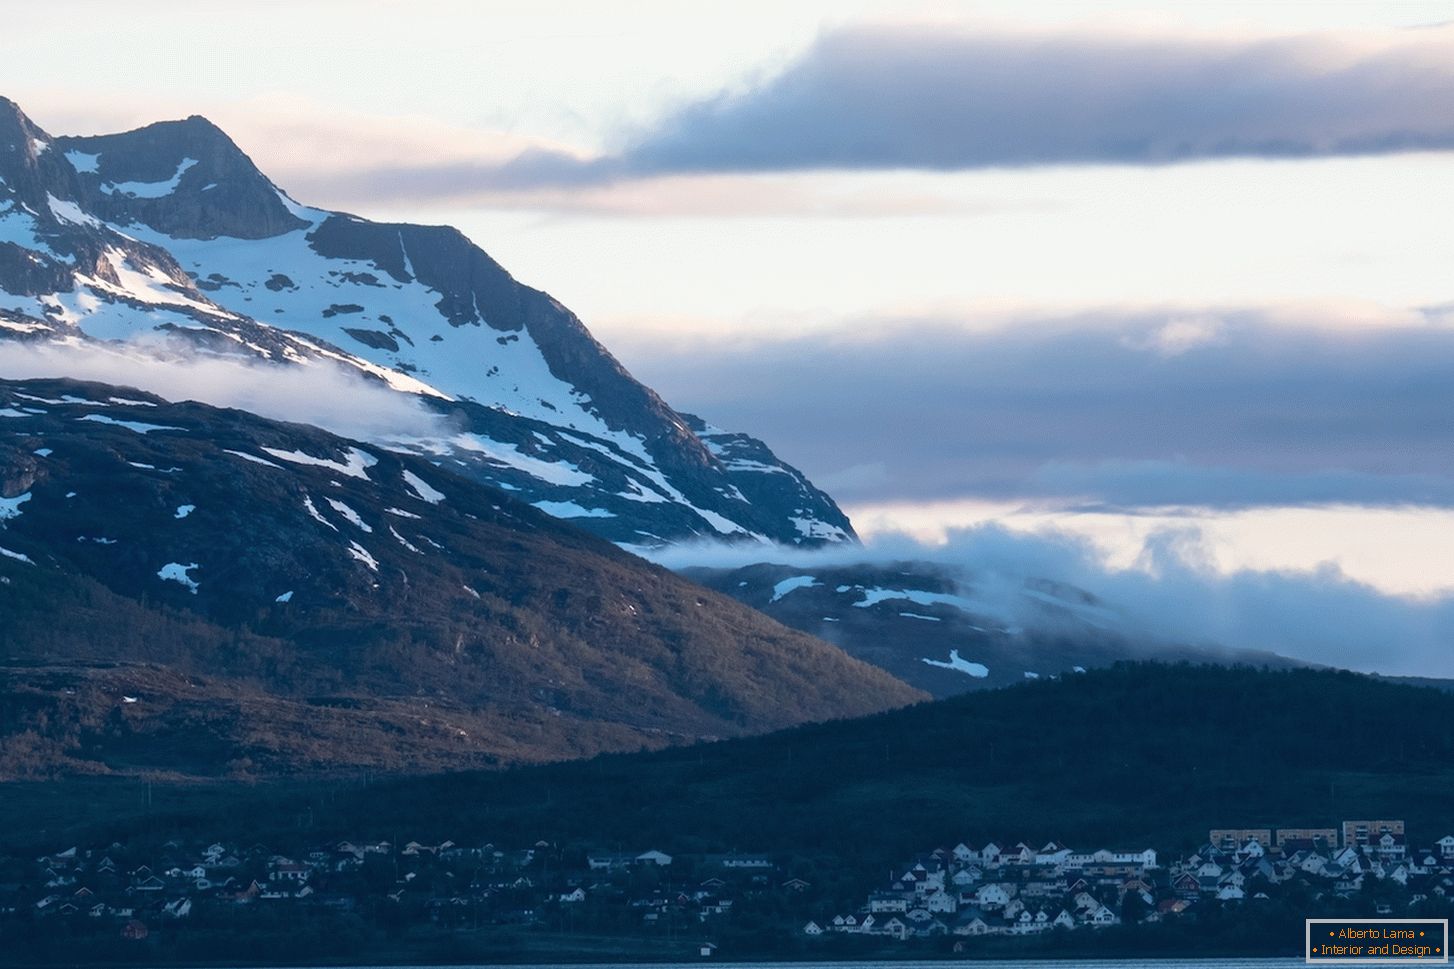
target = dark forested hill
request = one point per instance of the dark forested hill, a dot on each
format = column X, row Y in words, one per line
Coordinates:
column 1134, row 754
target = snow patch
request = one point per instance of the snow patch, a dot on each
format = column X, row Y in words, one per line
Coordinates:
column 348, row 513
column 285, row 597
column 252, row 457
column 569, row 509
column 813, row 528
column 147, row 190
column 137, row 426
column 361, row 553
column 421, row 488
column 177, row 572
column 10, row 507
column 7, row 553
column 791, row 584
column 977, row 670
column 354, row 467
column 874, row 596
column 184, row 510
column 551, row 472
column 82, row 162
column 314, row 514
column 70, row 212
column 404, row 541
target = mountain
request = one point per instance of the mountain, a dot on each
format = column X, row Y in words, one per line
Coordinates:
column 948, row 631
column 170, row 231
column 193, row 591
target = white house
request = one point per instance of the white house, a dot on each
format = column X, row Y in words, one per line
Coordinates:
column 941, row 902
column 993, row 895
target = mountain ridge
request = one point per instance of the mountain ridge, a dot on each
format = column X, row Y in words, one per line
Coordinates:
column 170, row 229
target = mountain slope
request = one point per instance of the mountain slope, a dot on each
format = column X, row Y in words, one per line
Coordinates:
column 171, row 229
column 948, row 631
column 277, row 598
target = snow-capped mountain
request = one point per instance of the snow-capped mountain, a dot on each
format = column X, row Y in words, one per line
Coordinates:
column 170, row 230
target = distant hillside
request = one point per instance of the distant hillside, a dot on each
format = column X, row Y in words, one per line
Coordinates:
column 190, row 591
column 1131, row 755
column 938, row 628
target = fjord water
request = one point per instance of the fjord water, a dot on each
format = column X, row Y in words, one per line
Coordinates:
column 995, row 963
column 1231, row 963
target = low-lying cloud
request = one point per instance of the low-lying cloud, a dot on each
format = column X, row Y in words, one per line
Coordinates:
column 317, row 393
column 1173, row 594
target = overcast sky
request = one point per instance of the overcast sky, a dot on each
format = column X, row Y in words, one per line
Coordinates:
column 1106, row 267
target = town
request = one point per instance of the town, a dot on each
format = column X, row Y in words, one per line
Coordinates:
column 954, row 894
column 1024, row 890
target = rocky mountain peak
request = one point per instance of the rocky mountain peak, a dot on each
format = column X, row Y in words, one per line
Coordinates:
column 17, row 132
column 185, row 178
column 30, row 167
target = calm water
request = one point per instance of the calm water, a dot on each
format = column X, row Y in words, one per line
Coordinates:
column 987, row 963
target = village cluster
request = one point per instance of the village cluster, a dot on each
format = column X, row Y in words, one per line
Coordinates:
column 1022, row 890
column 446, row 883
column 960, row 892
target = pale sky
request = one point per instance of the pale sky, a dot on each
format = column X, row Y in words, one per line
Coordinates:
column 1053, row 264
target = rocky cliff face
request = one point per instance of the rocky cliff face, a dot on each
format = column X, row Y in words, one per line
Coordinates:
column 171, row 230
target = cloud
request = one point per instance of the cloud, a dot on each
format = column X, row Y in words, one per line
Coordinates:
column 313, row 393
column 1179, row 483
column 944, row 98
column 877, row 97
column 1088, row 408
column 1173, row 594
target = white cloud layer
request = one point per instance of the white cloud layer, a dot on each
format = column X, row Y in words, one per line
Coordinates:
column 316, row 393
column 1174, row 593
